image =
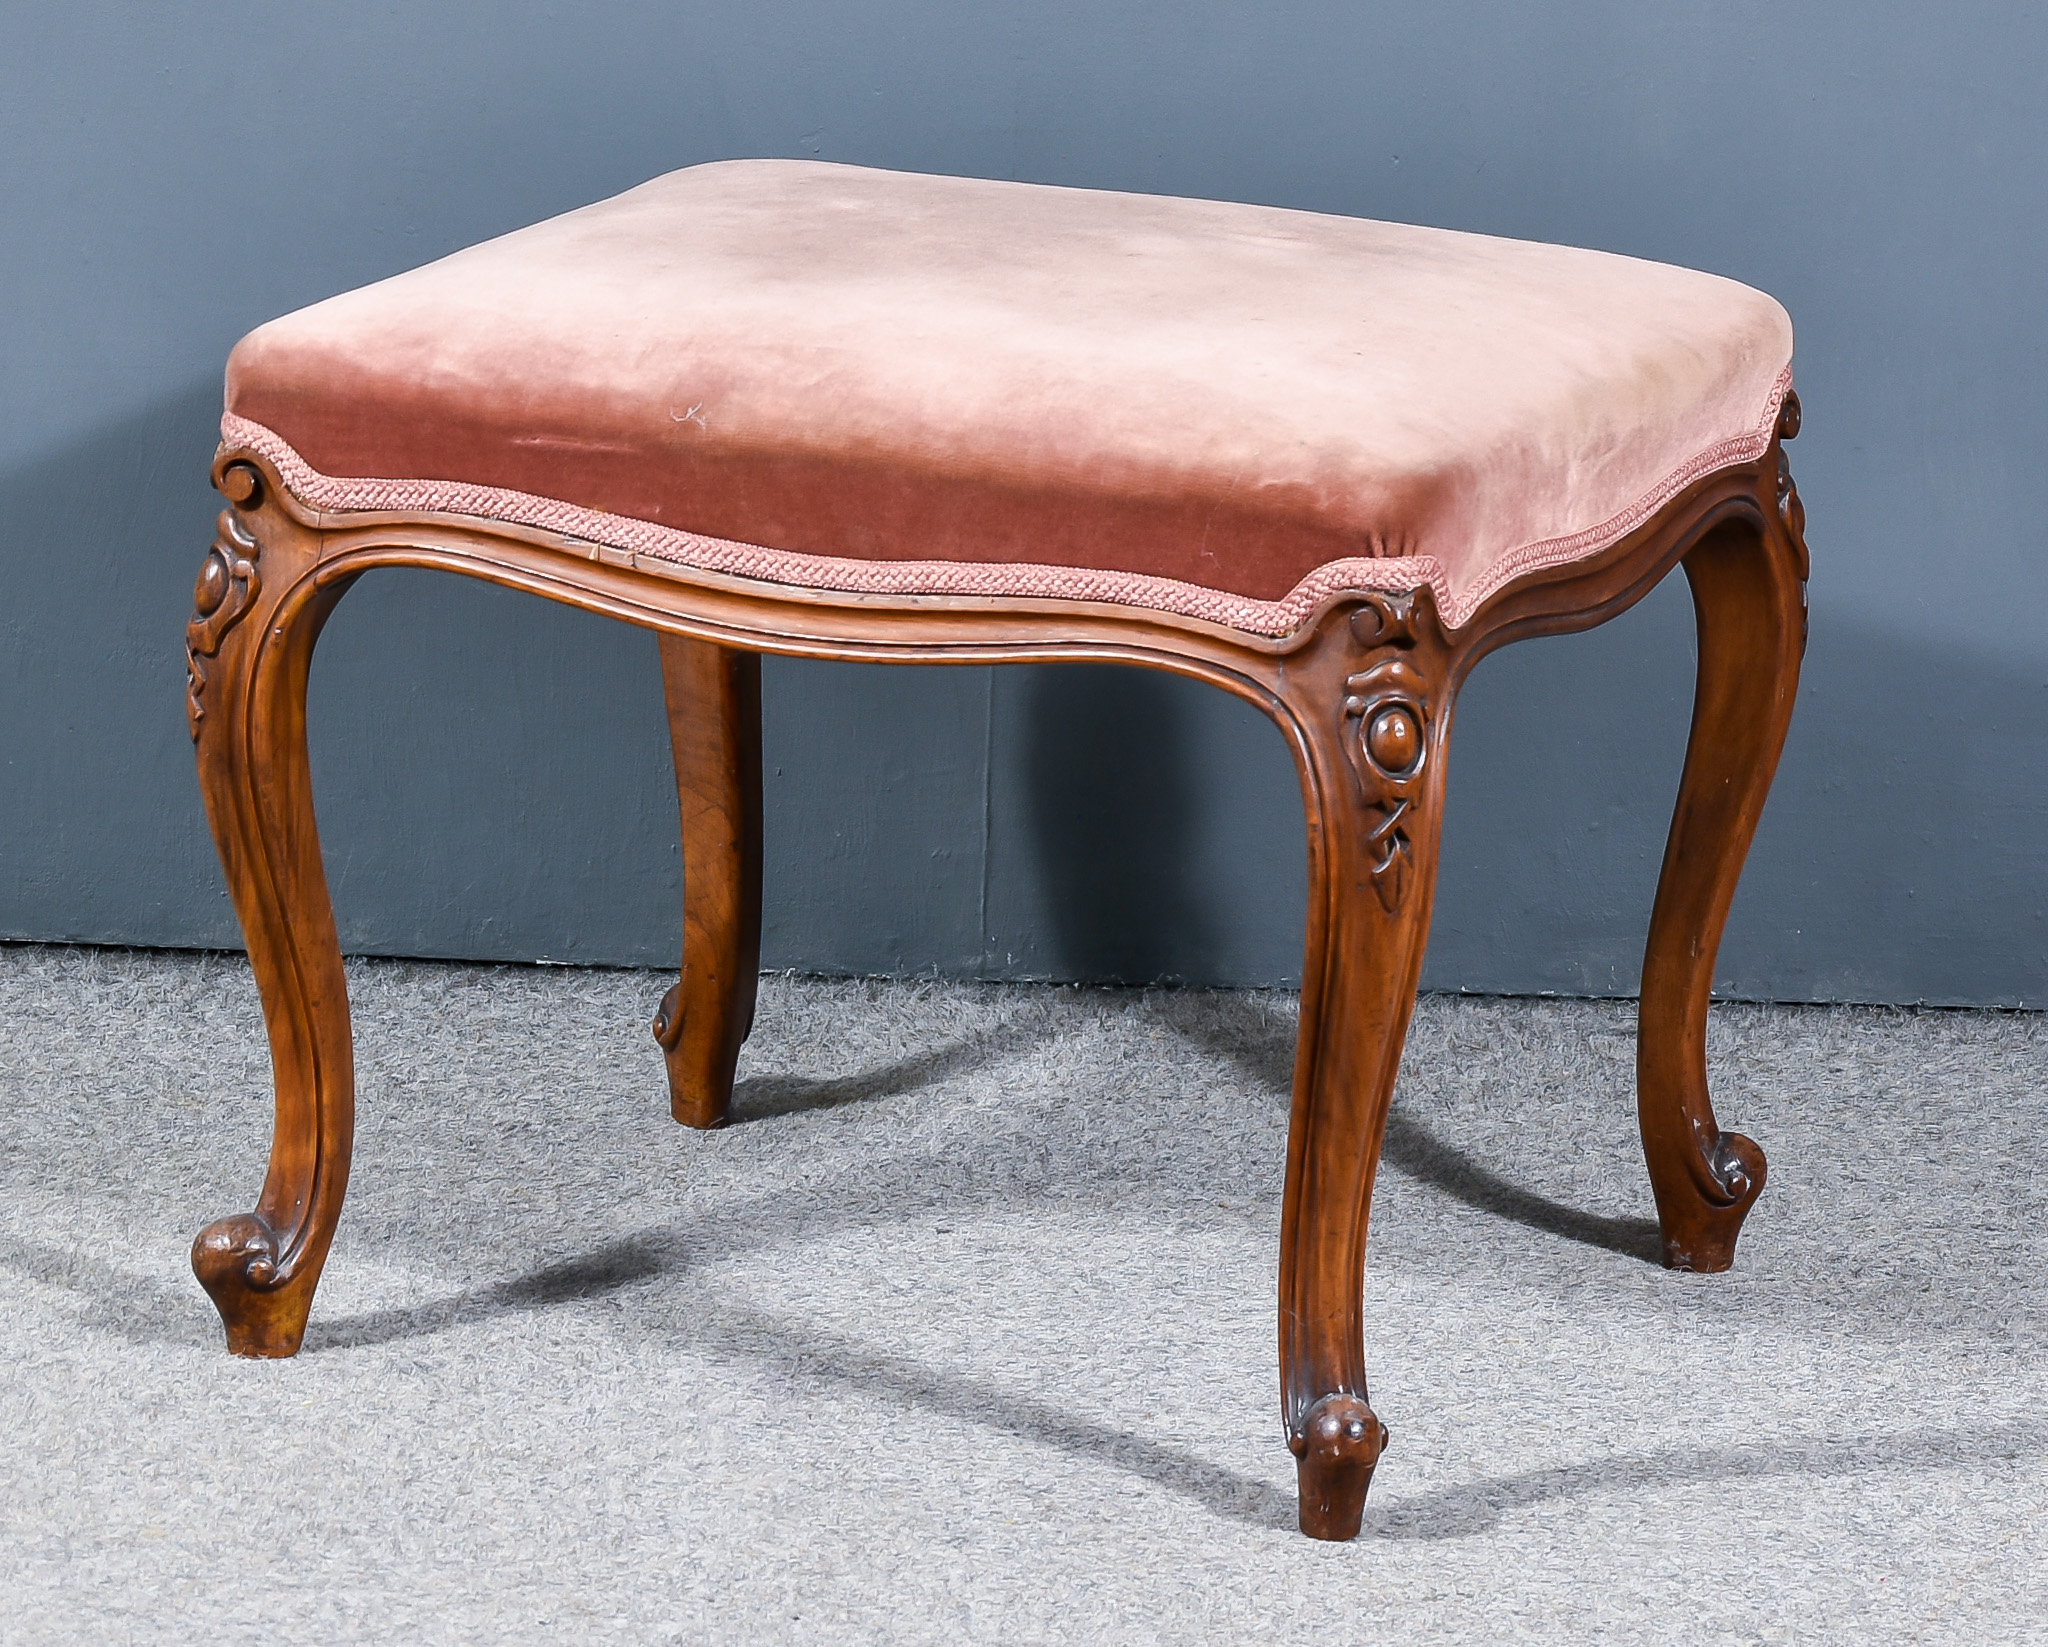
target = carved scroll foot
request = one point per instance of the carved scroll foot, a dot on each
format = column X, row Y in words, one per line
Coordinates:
column 714, row 717
column 1700, row 1229
column 236, row 1261
column 1335, row 1453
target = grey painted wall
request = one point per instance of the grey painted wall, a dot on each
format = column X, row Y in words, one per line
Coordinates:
column 493, row 772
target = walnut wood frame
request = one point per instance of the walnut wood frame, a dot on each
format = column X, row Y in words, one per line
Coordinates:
column 1363, row 693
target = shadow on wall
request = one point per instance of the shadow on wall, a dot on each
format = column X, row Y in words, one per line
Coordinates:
column 1110, row 761
column 1895, row 861
column 1143, row 828
column 494, row 783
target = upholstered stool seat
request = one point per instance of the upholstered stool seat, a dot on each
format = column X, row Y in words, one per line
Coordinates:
column 861, row 380
column 769, row 406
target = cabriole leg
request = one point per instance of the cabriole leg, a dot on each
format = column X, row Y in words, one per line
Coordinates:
column 1749, row 593
column 248, row 649
column 1373, row 715
column 714, row 722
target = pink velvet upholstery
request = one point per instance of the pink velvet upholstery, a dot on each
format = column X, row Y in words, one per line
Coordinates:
column 855, row 379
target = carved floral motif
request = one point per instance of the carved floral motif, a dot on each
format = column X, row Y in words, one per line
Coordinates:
column 228, row 582
column 1790, row 510
column 1387, row 706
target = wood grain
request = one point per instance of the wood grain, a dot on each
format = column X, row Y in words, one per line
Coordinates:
column 1363, row 693
column 714, row 723
column 247, row 695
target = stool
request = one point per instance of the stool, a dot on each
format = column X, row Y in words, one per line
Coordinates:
column 821, row 411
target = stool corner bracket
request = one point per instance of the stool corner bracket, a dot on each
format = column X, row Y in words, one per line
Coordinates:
column 1392, row 699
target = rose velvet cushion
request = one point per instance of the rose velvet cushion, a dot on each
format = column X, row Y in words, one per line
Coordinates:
column 851, row 379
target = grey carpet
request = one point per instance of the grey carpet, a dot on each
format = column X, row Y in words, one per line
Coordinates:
column 965, row 1331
